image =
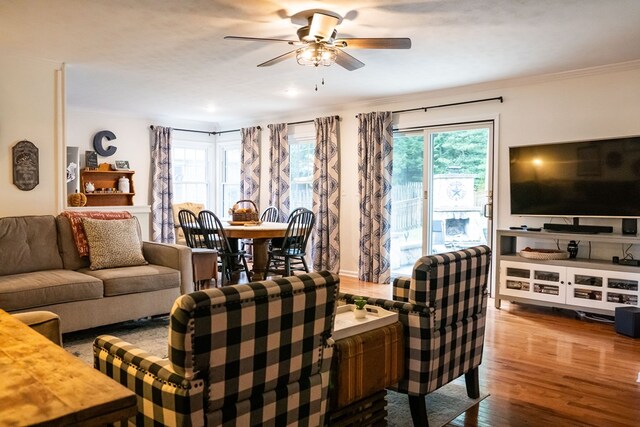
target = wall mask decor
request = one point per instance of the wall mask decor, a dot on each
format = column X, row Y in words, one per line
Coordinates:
column 26, row 165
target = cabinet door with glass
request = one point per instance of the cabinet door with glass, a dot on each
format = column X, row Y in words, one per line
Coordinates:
column 602, row 289
column 537, row 281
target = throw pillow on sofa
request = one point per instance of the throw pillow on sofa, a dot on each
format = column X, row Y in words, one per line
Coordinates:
column 77, row 229
column 113, row 243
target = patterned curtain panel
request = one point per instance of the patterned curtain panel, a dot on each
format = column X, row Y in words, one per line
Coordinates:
column 279, row 168
column 375, row 143
column 250, row 160
column 326, row 196
column 161, row 187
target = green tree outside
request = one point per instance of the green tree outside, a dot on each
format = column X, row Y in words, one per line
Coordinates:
column 465, row 150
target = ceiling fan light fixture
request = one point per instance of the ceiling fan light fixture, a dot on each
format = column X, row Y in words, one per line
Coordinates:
column 318, row 42
column 316, row 54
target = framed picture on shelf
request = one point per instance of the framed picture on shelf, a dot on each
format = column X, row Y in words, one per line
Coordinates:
column 91, row 159
column 121, row 165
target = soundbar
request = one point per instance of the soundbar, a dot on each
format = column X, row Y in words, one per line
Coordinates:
column 574, row 228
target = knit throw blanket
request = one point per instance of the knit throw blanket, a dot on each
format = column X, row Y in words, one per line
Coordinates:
column 77, row 229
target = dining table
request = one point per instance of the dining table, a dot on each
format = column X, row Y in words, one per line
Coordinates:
column 261, row 234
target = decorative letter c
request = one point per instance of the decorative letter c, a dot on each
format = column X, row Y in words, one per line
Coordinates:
column 97, row 143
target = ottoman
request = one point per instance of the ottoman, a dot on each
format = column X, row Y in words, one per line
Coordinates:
column 363, row 366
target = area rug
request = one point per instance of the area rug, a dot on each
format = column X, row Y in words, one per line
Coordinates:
column 443, row 405
column 150, row 335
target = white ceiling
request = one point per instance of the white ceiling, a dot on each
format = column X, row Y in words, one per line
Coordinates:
column 168, row 58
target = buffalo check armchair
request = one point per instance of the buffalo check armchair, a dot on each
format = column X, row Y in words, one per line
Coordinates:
column 244, row 355
column 443, row 310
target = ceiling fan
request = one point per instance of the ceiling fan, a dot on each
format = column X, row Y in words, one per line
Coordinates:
column 317, row 43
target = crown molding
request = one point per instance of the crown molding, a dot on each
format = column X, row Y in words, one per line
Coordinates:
column 495, row 84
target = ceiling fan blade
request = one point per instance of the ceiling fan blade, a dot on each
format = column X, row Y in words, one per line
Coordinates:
column 260, row 39
column 373, row 43
column 347, row 61
column 322, row 26
column 279, row 58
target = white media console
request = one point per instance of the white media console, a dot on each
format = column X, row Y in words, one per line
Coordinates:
column 585, row 284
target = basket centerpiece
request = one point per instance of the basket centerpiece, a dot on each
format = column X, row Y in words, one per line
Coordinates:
column 543, row 254
column 247, row 213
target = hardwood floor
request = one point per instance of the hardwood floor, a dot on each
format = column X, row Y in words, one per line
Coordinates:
column 545, row 367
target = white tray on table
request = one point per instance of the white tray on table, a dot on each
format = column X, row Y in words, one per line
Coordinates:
column 347, row 325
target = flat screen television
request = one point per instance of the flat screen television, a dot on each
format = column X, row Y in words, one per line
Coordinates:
column 597, row 178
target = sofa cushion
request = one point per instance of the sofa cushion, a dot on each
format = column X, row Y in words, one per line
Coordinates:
column 28, row 243
column 41, row 288
column 113, row 243
column 68, row 249
column 129, row 280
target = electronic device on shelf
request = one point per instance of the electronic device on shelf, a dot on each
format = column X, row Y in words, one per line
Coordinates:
column 577, row 228
column 525, row 228
column 630, row 226
column 592, row 178
column 633, row 262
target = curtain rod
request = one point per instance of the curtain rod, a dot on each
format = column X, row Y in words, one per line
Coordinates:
column 308, row 121
column 206, row 131
column 236, row 130
column 472, row 122
column 431, row 107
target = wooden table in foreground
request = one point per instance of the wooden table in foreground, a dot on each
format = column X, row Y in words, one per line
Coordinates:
column 260, row 234
column 42, row 384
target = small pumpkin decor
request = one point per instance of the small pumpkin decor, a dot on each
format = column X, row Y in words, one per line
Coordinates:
column 77, row 199
column 360, row 312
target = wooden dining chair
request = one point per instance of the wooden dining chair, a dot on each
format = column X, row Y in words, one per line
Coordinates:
column 270, row 214
column 294, row 212
column 191, row 228
column 289, row 255
column 277, row 242
column 175, row 210
column 215, row 238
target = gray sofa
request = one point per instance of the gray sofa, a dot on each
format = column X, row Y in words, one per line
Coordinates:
column 40, row 269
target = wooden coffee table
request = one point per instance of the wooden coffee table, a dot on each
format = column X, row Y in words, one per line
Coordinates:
column 45, row 385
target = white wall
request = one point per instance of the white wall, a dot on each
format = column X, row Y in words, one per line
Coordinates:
column 30, row 93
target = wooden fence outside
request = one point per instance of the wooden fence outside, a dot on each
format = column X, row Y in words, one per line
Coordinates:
column 406, row 207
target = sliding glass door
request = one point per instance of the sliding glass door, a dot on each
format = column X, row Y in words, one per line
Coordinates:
column 441, row 193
